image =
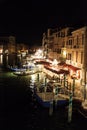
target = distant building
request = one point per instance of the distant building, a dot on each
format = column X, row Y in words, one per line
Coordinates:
column 22, row 49
column 11, row 53
column 8, row 50
column 8, row 44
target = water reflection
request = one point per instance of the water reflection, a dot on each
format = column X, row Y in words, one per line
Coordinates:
column 17, row 106
column 20, row 111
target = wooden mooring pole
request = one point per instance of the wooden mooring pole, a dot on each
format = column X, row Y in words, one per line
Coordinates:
column 70, row 109
column 51, row 108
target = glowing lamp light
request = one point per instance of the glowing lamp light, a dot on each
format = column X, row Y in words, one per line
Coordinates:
column 39, row 54
column 1, row 50
column 39, row 51
column 55, row 62
column 64, row 53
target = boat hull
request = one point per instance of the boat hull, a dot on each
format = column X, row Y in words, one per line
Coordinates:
column 48, row 103
column 24, row 73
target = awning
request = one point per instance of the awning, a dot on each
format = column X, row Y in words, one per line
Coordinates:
column 68, row 66
column 59, row 71
column 73, row 68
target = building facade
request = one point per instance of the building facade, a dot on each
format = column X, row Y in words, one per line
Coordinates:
column 8, row 50
column 12, row 53
column 68, row 45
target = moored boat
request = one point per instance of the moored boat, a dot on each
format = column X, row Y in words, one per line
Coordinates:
column 14, row 69
column 24, row 73
column 45, row 99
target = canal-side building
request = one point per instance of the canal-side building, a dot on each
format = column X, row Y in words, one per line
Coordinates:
column 68, row 45
column 54, row 40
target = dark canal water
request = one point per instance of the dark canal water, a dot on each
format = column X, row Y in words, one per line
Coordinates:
column 19, row 111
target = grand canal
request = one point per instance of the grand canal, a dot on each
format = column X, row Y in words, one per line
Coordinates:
column 20, row 111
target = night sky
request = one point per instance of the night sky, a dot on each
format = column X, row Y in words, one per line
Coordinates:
column 28, row 19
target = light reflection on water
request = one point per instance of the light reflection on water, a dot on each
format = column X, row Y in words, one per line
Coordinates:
column 19, row 110
column 17, row 107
